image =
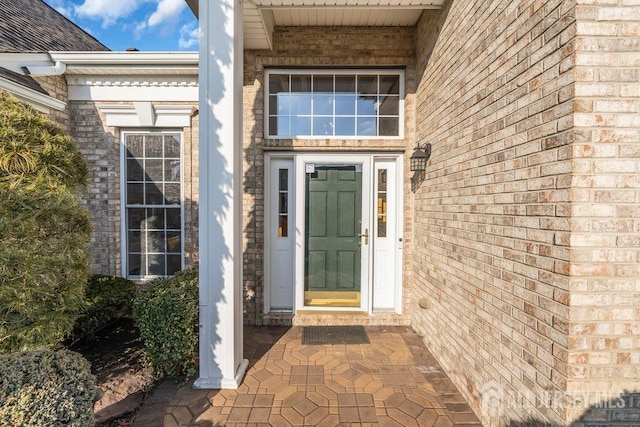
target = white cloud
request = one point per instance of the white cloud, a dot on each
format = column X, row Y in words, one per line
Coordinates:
column 66, row 11
column 139, row 30
column 62, row 7
column 89, row 31
column 109, row 11
column 189, row 35
column 166, row 10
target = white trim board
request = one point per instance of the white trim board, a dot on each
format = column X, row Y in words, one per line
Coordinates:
column 145, row 114
column 175, row 93
column 37, row 100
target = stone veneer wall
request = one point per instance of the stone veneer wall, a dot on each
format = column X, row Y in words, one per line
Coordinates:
column 56, row 87
column 604, row 340
column 492, row 218
column 100, row 145
column 313, row 47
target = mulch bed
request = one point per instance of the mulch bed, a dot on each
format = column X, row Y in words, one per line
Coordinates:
column 116, row 356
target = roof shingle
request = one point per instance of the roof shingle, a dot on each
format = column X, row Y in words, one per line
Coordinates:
column 33, row 26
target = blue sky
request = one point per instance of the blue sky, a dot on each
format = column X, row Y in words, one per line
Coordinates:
column 149, row 25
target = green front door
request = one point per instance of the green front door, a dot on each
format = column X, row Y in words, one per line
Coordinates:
column 333, row 221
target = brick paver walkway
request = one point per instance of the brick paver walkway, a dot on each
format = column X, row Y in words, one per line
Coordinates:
column 394, row 381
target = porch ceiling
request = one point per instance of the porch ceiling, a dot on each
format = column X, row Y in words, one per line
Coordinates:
column 262, row 16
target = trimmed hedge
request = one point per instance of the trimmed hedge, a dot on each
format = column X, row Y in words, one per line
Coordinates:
column 107, row 298
column 166, row 312
column 44, row 232
column 46, row 388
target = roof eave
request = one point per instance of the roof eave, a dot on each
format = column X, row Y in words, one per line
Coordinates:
column 123, row 63
column 37, row 100
column 193, row 5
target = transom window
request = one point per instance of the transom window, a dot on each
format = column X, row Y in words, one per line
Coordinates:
column 344, row 103
column 152, row 223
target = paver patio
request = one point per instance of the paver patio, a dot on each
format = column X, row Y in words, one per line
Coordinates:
column 393, row 381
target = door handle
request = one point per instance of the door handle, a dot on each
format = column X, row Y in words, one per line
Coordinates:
column 365, row 235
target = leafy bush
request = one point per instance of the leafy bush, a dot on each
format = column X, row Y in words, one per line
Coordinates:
column 46, row 388
column 166, row 312
column 107, row 298
column 44, row 231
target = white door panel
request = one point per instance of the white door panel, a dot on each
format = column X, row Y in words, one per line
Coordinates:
column 281, row 208
column 385, row 235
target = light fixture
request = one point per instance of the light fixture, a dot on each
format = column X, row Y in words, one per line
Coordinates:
column 418, row 160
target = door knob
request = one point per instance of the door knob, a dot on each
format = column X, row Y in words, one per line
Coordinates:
column 365, row 235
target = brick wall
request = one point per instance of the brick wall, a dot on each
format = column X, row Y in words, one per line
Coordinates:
column 312, row 47
column 100, row 145
column 100, row 148
column 492, row 217
column 604, row 341
column 56, row 87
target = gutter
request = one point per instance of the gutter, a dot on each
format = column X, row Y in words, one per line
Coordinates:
column 38, row 70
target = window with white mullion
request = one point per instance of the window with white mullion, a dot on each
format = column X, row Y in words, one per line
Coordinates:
column 153, row 204
column 318, row 103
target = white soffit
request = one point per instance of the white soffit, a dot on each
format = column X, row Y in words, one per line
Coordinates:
column 129, row 63
column 261, row 16
column 347, row 17
column 421, row 4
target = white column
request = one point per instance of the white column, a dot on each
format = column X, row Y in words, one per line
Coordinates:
column 221, row 362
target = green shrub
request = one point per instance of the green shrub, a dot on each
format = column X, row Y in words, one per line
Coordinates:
column 46, row 388
column 107, row 298
column 44, row 231
column 166, row 312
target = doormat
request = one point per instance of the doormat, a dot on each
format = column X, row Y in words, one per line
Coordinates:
column 319, row 335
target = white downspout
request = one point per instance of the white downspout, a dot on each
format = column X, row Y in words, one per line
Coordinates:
column 38, row 70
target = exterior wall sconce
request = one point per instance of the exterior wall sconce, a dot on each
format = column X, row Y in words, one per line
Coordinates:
column 418, row 164
column 418, row 160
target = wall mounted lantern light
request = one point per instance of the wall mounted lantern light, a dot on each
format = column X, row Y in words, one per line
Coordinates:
column 418, row 160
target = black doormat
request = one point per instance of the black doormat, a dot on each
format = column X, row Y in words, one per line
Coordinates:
column 319, row 335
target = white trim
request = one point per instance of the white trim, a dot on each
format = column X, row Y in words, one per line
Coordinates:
column 341, row 71
column 37, row 100
column 126, row 58
column 145, row 114
column 124, row 229
column 15, row 61
column 133, row 88
column 104, row 63
column 400, row 228
column 268, row 25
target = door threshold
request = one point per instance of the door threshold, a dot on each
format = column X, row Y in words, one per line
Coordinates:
column 331, row 312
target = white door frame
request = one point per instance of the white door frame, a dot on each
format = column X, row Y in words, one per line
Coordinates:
column 332, row 158
column 368, row 160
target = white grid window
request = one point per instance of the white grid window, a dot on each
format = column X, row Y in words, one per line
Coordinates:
column 343, row 103
column 153, row 204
